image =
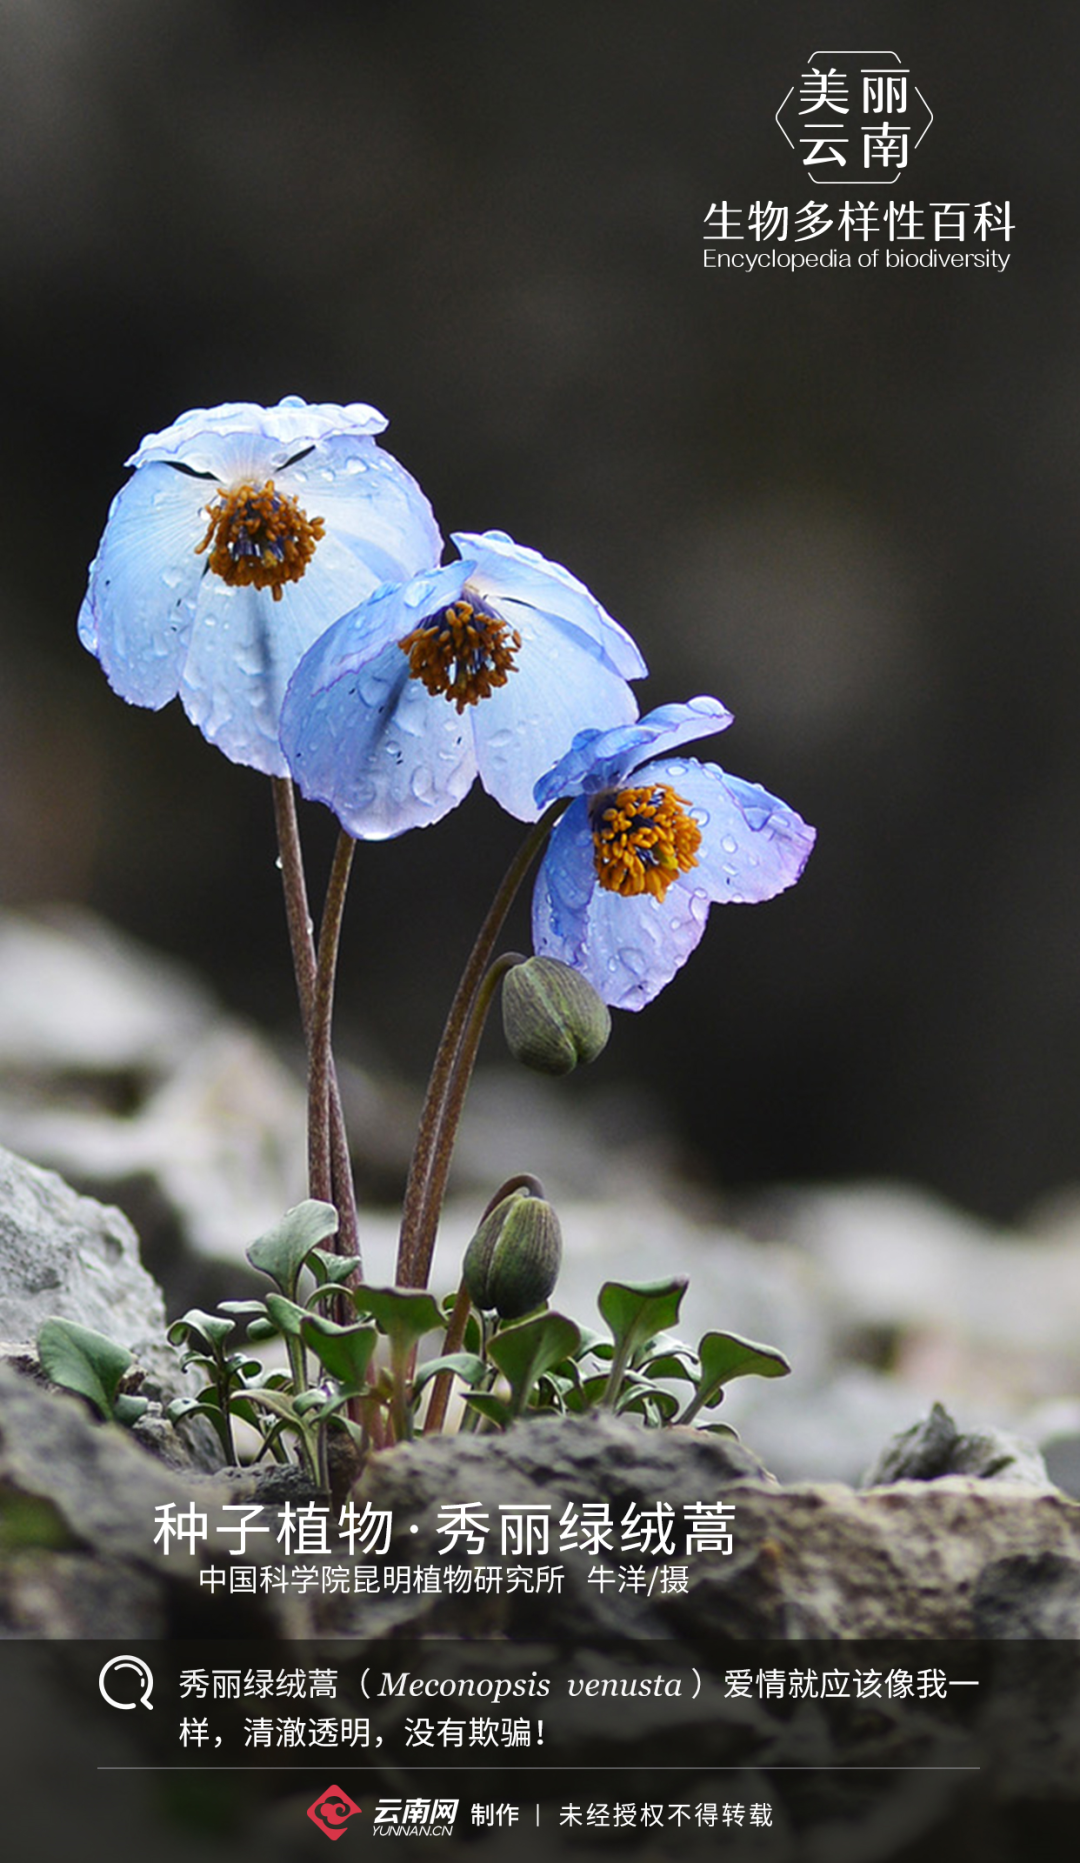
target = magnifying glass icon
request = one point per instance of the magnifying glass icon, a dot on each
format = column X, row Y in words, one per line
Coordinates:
column 115, row 1668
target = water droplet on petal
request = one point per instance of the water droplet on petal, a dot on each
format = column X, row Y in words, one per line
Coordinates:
column 729, row 844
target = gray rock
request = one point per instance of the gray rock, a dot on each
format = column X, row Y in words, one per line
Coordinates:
column 77, row 1544
column 550, row 1459
column 936, row 1447
column 1029, row 1595
column 63, row 1256
column 813, row 1560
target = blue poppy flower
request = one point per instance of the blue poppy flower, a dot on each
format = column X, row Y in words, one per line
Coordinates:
column 649, row 842
column 241, row 535
column 487, row 666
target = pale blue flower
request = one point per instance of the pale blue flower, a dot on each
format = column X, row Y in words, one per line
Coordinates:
column 649, row 842
column 487, row 666
column 242, row 534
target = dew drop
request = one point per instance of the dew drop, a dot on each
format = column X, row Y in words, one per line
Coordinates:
column 729, row 844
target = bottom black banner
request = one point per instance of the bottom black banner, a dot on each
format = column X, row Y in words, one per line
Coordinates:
column 839, row 1752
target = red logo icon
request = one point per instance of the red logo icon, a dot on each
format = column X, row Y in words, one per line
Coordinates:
column 332, row 1812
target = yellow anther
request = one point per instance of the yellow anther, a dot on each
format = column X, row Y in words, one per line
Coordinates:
column 642, row 840
column 462, row 653
column 259, row 537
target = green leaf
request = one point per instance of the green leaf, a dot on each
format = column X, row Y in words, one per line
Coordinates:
column 648, row 1400
column 597, row 1343
column 405, row 1314
column 286, row 1315
column 84, row 1362
column 324, row 1295
column 282, row 1251
column 206, row 1330
column 635, row 1311
column 466, row 1365
column 127, row 1408
column 494, row 1408
column 344, row 1351
column 725, row 1356
column 262, row 1329
column 671, row 1365
column 525, row 1350
column 330, row 1270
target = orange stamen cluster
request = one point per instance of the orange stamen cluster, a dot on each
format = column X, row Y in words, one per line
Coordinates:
column 642, row 840
column 259, row 537
column 462, row 653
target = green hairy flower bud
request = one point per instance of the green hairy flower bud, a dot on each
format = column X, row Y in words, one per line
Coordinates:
column 513, row 1260
column 553, row 1019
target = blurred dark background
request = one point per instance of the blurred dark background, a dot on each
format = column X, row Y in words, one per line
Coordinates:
column 843, row 502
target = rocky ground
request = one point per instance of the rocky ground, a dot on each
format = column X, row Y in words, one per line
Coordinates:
column 119, row 1071
column 912, row 1479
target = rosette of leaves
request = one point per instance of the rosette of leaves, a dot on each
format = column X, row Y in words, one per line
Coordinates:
column 547, row 1362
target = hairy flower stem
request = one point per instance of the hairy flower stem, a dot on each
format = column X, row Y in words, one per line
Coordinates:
column 431, row 1157
column 320, row 1062
column 440, row 1390
column 454, row 1106
column 305, row 966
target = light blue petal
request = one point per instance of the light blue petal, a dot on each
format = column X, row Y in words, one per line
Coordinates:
column 375, row 747
column 752, row 845
column 559, row 681
column 600, row 759
column 276, row 433
column 139, row 607
column 564, row 886
column 244, row 648
column 627, row 948
column 516, row 579
column 366, row 498
column 636, row 945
